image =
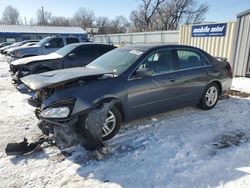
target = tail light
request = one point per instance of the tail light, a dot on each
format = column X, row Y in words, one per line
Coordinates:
column 230, row 71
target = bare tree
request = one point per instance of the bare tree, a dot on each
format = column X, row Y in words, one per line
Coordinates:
column 10, row 16
column 168, row 15
column 43, row 17
column 103, row 23
column 119, row 25
column 84, row 18
column 175, row 12
column 142, row 18
column 59, row 21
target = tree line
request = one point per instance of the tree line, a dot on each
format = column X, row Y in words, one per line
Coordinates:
column 150, row 15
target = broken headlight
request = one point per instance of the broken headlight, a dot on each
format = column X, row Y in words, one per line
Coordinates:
column 58, row 112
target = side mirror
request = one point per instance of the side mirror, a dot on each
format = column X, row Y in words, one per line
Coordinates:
column 72, row 56
column 47, row 45
column 142, row 73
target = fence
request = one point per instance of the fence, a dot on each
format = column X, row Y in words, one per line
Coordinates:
column 169, row 37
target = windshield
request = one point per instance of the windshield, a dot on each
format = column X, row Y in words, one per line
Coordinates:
column 117, row 60
column 66, row 50
column 43, row 41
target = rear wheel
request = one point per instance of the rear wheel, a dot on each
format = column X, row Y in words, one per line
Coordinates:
column 210, row 97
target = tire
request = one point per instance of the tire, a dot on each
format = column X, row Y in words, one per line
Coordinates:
column 209, row 97
column 118, row 121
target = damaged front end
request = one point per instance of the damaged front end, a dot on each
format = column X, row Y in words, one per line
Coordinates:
column 84, row 128
column 18, row 72
column 68, row 119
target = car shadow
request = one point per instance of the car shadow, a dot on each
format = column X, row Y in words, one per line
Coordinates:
column 133, row 150
column 38, row 155
column 173, row 149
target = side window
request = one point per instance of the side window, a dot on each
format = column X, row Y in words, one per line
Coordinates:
column 85, row 52
column 189, row 59
column 56, row 43
column 72, row 40
column 159, row 62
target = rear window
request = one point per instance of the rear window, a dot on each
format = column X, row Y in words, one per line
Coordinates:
column 72, row 40
column 189, row 59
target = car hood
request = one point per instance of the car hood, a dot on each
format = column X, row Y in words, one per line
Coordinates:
column 52, row 78
column 24, row 61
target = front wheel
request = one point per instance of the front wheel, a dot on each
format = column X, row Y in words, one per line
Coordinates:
column 112, row 124
column 210, row 97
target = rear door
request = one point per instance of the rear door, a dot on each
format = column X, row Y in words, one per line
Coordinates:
column 192, row 70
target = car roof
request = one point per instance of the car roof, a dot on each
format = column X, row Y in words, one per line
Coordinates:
column 91, row 44
column 146, row 47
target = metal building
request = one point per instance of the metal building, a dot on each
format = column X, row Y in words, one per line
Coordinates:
column 241, row 45
column 218, row 43
column 15, row 33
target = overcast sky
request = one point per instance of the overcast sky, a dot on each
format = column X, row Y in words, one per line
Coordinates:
column 220, row 10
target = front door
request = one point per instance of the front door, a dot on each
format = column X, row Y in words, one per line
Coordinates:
column 156, row 93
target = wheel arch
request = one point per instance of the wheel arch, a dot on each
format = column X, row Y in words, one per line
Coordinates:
column 218, row 83
column 118, row 104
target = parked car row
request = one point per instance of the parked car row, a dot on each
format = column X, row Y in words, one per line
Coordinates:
column 72, row 55
column 5, row 49
column 142, row 80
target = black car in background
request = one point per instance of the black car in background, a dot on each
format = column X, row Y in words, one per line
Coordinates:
column 72, row 55
column 141, row 80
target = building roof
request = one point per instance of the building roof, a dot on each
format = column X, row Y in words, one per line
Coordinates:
column 39, row 29
column 246, row 12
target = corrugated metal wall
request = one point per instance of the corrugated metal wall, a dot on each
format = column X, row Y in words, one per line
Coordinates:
column 242, row 44
column 216, row 46
column 170, row 37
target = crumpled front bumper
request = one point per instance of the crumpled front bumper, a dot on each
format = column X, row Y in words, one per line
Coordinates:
column 84, row 128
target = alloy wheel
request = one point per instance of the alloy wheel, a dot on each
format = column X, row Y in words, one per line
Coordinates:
column 109, row 124
column 211, row 96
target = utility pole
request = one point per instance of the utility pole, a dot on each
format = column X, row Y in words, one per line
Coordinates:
column 43, row 18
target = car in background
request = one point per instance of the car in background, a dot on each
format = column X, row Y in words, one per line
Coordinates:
column 138, row 81
column 10, row 50
column 43, row 47
column 30, row 43
column 3, row 44
column 2, row 50
column 72, row 55
column 16, row 44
